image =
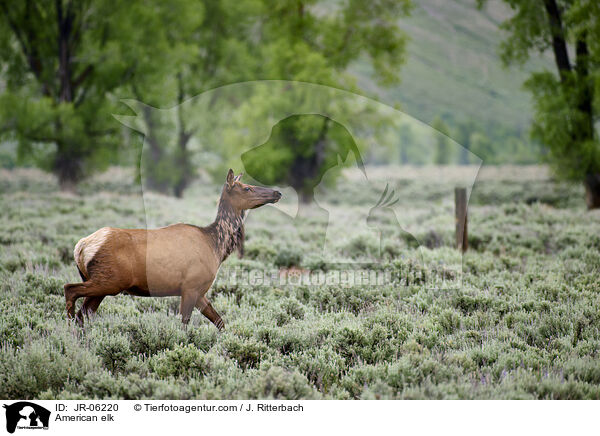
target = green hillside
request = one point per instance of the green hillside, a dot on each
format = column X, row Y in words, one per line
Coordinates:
column 453, row 69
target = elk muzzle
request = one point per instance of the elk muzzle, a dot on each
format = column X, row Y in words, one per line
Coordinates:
column 266, row 195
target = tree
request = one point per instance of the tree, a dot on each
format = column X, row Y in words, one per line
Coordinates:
column 306, row 34
column 481, row 146
column 300, row 150
column 209, row 43
column 566, row 101
column 62, row 59
column 308, row 41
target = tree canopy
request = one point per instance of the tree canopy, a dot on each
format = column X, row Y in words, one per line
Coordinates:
column 62, row 60
column 566, row 100
column 311, row 41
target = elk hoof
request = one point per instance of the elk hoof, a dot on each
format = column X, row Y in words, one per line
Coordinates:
column 79, row 319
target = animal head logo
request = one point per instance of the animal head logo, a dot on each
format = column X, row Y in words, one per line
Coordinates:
column 300, row 150
column 26, row 415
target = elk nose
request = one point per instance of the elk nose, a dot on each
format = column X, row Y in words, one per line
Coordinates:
column 278, row 194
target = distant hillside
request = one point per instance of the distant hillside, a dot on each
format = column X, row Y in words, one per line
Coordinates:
column 453, row 68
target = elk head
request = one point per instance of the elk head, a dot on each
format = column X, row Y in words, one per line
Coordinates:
column 243, row 197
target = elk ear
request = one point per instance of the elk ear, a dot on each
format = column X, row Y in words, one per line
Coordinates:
column 238, row 177
column 230, row 178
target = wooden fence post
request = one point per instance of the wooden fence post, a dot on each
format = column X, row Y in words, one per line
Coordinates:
column 460, row 213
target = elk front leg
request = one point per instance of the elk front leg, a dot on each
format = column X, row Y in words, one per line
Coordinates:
column 207, row 310
column 188, row 301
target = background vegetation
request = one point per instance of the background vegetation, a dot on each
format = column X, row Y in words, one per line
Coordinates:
column 452, row 75
column 66, row 64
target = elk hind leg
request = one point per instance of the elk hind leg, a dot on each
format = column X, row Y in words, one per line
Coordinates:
column 209, row 312
column 73, row 291
column 88, row 308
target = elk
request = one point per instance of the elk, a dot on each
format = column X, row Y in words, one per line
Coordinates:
column 177, row 260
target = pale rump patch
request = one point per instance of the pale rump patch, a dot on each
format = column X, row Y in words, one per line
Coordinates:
column 86, row 248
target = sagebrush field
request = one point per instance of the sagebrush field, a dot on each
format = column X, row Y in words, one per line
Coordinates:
column 524, row 324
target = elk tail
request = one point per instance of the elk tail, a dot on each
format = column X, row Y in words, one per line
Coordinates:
column 83, row 278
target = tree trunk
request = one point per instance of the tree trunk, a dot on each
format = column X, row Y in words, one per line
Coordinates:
column 464, row 155
column 67, row 168
column 305, row 171
column 306, row 195
column 182, row 158
column 151, row 161
column 583, row 131
column 183, row 165
column 592, row 191
column 559, row 42
column 67, row 163
column 65, row 27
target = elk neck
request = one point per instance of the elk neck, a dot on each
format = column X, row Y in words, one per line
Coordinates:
column 228, row 229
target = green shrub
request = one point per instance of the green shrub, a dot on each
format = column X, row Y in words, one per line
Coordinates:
column 287, row 258
column 182, row 361
column 114, row 351
column 248, row 353
column 43, row 365
column 278, row 383
column 323, row 367
column 151, row 334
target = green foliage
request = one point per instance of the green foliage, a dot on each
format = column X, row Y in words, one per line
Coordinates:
column 114, row 351
column 287, row 257
column 206, row 44
column 555, row 126
column 180, row 361
column 300, row 150
column 312, row 42
column 280, row 384
column 565, row 100
column 62, row 62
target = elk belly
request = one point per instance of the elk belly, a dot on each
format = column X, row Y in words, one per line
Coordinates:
column 174, row 262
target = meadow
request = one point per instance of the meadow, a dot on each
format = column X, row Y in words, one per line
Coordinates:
column 524, row 323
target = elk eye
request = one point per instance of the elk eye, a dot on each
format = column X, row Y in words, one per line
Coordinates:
column 246, row 189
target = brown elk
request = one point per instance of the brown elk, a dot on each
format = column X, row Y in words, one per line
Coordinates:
column 177, row 260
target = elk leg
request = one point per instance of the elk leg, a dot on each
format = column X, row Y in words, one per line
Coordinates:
column 88, row 308
column 208, row 311
column 70, row 298
column 73, row 291
column 188, row 301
